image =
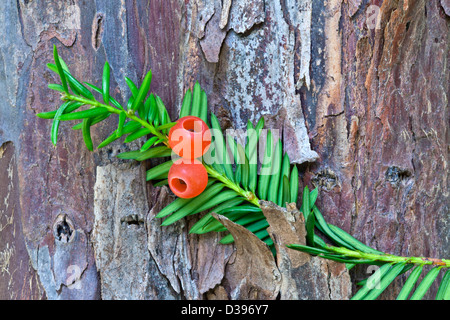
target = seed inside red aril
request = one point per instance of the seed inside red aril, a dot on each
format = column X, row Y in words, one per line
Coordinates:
column 187, row 178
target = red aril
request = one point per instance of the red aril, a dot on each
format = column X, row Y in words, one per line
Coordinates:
column 190, row 138
column 187, row 178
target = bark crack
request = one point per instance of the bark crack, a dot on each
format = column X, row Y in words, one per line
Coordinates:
column 22, row 27
column 335, row 115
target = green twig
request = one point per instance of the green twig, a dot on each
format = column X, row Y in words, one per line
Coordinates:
column 388, row 258
column 130, row 114
column 248, row 195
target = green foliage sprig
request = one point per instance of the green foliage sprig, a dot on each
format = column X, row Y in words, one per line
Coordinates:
column 147, row 116
column 152, row 117
column 232, row 191
column 351, row 252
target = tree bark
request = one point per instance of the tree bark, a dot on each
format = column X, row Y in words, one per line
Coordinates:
column 359, row 90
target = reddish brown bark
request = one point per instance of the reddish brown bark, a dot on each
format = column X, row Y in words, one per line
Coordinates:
column 374, row 102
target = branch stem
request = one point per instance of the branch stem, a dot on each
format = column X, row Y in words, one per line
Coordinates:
column 111, row 109
column 250, row 196
column 389, row 258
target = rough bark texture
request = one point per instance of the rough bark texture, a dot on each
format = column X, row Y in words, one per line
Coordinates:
column 360, row 94
column 302, row 276
column 383, row 98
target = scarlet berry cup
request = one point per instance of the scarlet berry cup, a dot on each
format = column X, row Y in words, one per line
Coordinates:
column 190, row 138
column 187, row 178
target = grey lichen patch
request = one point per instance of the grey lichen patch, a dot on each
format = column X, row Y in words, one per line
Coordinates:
column 258, row 64
column 240, row 16
column 245, row 14
column 260, row 78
